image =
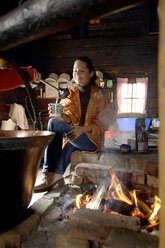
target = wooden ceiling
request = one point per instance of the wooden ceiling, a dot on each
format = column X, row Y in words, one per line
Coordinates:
column 137, row 21
column 134, row 22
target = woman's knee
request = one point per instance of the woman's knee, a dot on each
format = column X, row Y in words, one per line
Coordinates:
column 52, row 123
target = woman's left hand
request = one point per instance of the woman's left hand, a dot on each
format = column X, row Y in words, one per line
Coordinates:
column 36, row 75
column 75, row 133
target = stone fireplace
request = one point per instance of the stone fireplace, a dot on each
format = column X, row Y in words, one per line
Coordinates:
column 54, row 219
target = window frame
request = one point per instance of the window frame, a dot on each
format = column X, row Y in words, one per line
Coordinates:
column 133, row 114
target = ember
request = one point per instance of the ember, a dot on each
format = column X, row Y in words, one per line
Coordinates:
column 117, row 199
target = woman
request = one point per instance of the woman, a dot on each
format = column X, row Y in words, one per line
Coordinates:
column 86, row 117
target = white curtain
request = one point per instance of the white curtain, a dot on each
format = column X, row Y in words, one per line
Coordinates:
column 142, row 87
column 121, row 88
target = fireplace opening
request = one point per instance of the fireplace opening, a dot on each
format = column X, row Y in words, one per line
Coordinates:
column 113, row 197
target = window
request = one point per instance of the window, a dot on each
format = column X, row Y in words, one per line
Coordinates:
column 132, row 96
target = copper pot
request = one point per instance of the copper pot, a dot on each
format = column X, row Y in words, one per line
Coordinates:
column 20, row 156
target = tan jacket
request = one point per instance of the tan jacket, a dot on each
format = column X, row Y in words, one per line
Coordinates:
column 99, row 113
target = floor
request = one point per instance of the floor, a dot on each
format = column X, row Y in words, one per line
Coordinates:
column 37, row 196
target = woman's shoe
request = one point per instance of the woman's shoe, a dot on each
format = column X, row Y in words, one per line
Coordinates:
column 48, row 180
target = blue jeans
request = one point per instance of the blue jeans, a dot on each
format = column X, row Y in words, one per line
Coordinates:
column 57, row 159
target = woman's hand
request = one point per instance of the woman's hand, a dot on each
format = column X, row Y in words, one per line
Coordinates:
column 36, row 76
column 77, row 131
column 65, row 118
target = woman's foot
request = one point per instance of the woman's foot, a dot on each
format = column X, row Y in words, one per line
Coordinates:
column 48, row 180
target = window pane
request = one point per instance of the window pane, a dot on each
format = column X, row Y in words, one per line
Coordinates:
column 126, row 106
column 129, row 91
column 135, row 93
column 136, row 106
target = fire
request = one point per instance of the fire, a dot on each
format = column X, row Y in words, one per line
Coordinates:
column 137, row 212
column 82, row 200
column 112, row 197
column 116, row 184
column 156, row 206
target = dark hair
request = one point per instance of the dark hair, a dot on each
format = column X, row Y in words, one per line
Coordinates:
column 89, row 64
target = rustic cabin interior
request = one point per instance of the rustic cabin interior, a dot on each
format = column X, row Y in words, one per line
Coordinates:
column 122, row 39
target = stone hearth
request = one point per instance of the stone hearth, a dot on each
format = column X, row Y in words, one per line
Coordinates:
column 50, row 223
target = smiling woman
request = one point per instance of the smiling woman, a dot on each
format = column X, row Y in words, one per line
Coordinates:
column 82, row 74
column 87, row 115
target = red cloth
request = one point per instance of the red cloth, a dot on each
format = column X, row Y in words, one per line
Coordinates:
column 109, row 134
column 9, row 79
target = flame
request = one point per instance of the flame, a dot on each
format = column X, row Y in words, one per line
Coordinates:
column 156, row 206
column 136, row 212
column 133, row 193
column 82, row 200
column 78, row 200
column 121, row 196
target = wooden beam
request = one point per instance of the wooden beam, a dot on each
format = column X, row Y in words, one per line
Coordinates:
column 161, row 98
column 38, row 18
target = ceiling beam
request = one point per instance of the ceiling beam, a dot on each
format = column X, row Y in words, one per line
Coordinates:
column 35, row 19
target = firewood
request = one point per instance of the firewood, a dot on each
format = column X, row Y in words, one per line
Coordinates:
column 128, row 238
column 143, row 207
column 65, row 241
column 96, row 225
column 119, row 206
column 98, row 196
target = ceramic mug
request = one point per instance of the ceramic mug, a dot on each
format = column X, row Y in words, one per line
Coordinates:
column 56, row 109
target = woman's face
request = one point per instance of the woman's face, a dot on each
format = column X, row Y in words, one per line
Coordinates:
column 81, row 73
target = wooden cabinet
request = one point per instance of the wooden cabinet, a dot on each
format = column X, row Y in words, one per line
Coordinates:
column 42, row 110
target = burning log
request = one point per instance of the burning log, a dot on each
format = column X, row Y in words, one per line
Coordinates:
column 38, row 18
column 119, row 206
column 144, row 208
column 96, row 225
column 99, row 195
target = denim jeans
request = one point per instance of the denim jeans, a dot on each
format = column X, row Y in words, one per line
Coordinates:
column 57, row 159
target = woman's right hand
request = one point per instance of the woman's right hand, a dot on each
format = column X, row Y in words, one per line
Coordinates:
column 65, row 118
column 49, row 110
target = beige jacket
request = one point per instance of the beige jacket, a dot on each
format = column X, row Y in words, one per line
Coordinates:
column 99, row 115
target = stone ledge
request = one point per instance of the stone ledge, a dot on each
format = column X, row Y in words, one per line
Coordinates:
column 115, row 159
column 96, row 173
